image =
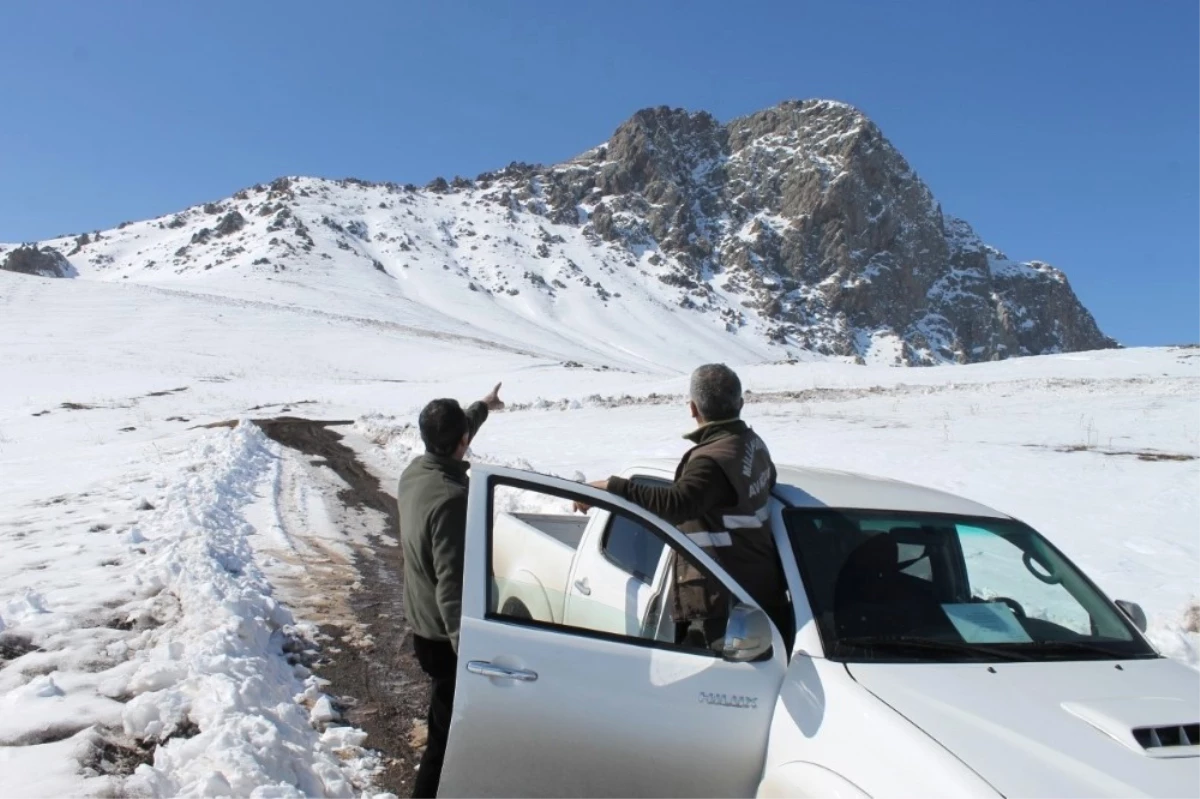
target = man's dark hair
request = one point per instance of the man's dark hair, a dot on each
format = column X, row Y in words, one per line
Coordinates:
column 717, row 392
column 443, row 424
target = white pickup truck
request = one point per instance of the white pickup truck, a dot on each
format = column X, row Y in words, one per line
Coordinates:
column 941, row 648
column 560, row 569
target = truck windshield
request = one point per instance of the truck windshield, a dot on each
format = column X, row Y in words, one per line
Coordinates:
column 907, row 587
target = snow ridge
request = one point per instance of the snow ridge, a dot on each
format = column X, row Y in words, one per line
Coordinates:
column 222, row 666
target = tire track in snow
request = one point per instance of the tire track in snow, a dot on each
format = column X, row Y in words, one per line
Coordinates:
column 368, row 661
column 302, row 544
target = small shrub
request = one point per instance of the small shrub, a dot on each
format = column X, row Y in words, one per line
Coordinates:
column 1191, row 618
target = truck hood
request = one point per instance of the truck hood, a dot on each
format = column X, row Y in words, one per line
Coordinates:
column 1053, row 729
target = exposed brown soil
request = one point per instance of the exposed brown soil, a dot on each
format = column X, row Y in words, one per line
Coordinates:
column 282, row 405
column 118, row 755
column 381, row 687
column 13, row 646
column 1140, row 454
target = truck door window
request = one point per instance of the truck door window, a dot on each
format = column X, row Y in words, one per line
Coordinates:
column 534, row 538
column 630, row 545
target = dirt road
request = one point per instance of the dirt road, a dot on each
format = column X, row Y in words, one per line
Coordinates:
column 381, row 688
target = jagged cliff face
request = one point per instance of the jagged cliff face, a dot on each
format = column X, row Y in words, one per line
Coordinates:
column 808, row 213
column 799, row 229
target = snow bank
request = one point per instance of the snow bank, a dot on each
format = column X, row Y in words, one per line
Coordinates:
column 181, row 660
column 400, row 443
column 192, row 667
column 1177, row 636
column 222, row 665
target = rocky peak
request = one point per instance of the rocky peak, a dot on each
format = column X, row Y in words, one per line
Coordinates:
column 657, row 151
column 812, row 217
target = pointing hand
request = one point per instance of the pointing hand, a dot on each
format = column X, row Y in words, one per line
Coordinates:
column 493, row 401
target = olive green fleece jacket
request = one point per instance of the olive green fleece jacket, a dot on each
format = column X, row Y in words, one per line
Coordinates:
column 432, row 499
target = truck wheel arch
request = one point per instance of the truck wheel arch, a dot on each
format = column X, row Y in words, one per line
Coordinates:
column 525, row 588
column 516, row 609
column 803, row 779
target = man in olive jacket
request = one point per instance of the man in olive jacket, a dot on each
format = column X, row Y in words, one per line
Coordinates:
column 719, row 498
column 432, row 499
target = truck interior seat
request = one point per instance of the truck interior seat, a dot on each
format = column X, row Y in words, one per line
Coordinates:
column 873, row 595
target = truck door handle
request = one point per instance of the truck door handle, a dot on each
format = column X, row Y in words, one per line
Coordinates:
column 487, row 669
column 581, row 585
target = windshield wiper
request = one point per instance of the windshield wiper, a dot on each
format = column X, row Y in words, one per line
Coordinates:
column 932, row 644
column 1086, row 646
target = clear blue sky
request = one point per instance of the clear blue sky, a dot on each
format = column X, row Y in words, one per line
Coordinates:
column 1063, row 131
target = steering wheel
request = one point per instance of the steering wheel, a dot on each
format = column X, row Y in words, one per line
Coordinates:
column 1013, row 604
column 1049, row 578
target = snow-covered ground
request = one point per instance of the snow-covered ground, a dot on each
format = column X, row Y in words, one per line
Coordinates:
column 152, row 584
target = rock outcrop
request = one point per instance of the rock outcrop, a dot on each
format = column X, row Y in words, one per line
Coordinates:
column 41, row 261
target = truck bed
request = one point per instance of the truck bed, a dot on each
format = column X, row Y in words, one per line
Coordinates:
column 532, row 555
column 565, row 529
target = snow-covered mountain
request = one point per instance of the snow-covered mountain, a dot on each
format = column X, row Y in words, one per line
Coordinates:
column 796, row 232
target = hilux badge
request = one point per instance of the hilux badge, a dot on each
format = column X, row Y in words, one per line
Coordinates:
column 729, row 700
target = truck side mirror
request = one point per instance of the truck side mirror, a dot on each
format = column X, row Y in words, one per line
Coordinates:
column 1135, row 613
column 747, row 634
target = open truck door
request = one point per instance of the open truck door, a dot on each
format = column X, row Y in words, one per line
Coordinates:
column 547, row 709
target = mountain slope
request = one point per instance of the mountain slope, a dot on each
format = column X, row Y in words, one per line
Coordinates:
column 441, row 263
column 797, row 232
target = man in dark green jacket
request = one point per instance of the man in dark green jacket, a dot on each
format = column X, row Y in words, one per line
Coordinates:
column 719, row 498
column 432, row 498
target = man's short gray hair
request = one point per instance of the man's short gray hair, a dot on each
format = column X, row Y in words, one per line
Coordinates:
column 717, row 392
